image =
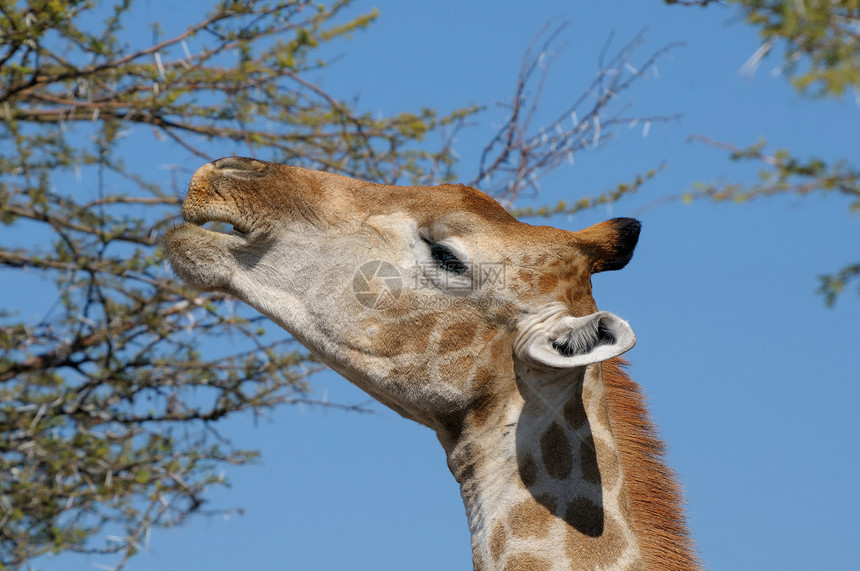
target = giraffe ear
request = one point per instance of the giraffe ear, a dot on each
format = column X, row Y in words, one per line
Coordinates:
column 609, row 245
column 570, row 341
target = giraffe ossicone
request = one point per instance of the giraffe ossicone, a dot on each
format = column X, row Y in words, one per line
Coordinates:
column 442, row 306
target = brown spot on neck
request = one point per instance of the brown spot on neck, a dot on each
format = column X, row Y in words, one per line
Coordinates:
column 588, row 460
column 457, row 336
column 527, row 562
column 528, row 470
column 593, row 537
column 498, row 538
column 585, row 516
column 530, row 519
column 555, row 452
column 391, row 342
column 574, row 411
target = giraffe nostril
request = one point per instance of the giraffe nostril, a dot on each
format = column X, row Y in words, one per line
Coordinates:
column 241, row 166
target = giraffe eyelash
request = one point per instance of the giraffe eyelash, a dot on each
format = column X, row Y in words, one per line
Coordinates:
column 445, row 258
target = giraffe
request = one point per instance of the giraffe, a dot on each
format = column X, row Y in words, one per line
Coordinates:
column 443, row 307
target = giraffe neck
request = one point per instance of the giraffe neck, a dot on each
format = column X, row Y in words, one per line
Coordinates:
column 541, row 478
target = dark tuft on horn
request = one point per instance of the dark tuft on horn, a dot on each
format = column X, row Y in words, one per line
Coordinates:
column 628, row 235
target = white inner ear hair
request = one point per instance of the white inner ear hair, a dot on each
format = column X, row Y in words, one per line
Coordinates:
column 585, row 339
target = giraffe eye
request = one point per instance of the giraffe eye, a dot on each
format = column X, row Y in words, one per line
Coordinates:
column 446, row 259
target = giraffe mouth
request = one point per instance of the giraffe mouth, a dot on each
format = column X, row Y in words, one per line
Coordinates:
column 226, row 227
column 210, row 204
column 221, row 221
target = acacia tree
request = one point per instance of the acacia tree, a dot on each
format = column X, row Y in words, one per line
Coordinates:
column 820, row 45
column 110, row 411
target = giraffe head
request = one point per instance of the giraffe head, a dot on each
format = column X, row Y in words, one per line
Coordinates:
column 442, row 306
column 421, row 296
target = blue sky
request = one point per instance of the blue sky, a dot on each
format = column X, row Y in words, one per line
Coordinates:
column 751, row 379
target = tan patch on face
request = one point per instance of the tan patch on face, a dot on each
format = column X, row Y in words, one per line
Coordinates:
column 528, row 470
column 575, row 269
column 483, row 380
column 504, row 318
column 588, row 460
column 580, row 304
column 547, row 283
column 555, row 452
column 527, row 562
column 408, row 372
column 577, row 294
column 411, row 336
column 488, row 335
column 457, row 369
column 497, row 541
column 485, row 404
column 530, row 519
column 499, row 349
column 457, row 336
column 574, row 412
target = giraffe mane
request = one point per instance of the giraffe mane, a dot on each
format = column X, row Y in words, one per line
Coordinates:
column 655, row 497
